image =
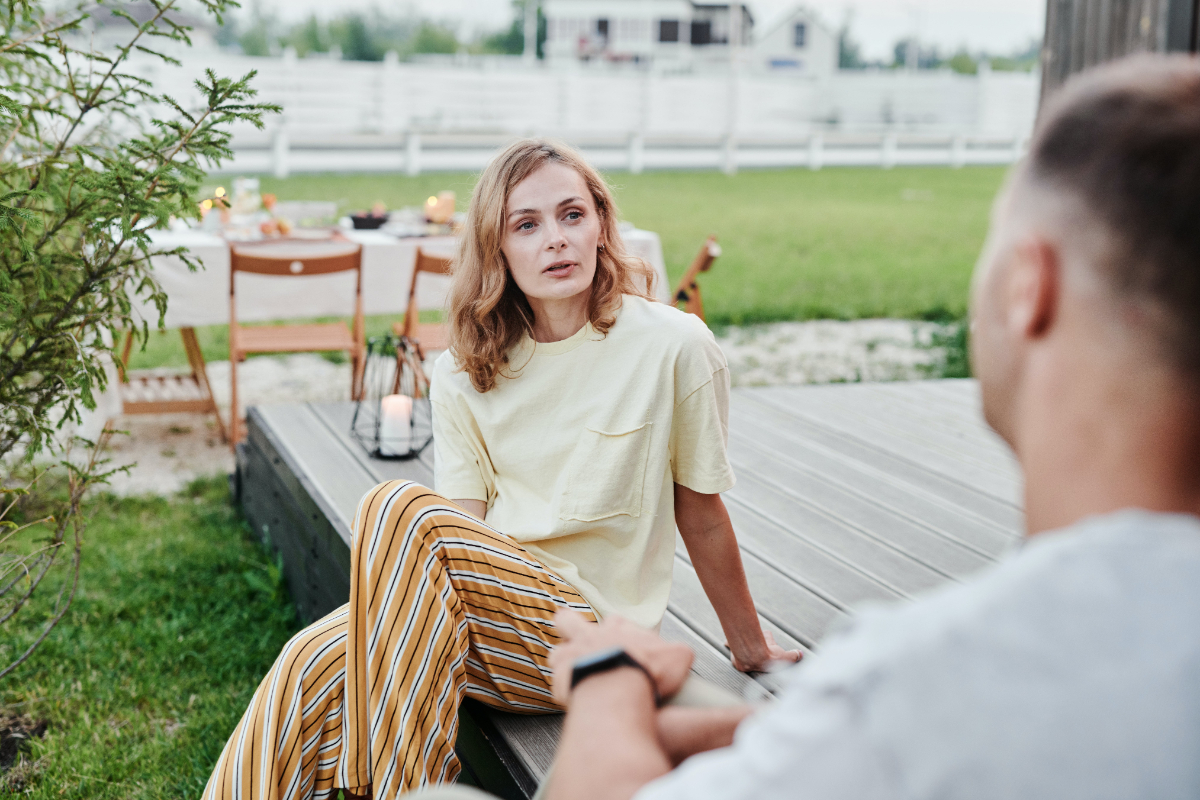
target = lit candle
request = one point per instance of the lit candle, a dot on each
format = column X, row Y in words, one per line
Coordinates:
column 395, row 425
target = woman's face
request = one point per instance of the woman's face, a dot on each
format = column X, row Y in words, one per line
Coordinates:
column 551, row 232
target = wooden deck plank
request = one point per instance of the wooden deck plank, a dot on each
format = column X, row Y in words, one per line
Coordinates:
column 904, row 470
column 949, row 423
column 948, row 557
column 826, row 576
column 915, row 444
column 870, row 485
column 891, row 568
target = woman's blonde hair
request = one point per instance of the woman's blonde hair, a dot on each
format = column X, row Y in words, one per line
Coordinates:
column 488, row 313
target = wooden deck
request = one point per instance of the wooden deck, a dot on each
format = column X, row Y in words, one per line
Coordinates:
column 846, row 494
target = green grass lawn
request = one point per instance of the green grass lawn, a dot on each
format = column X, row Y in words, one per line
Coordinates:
column 840, row 243
column 843, row 243
column 180, row 613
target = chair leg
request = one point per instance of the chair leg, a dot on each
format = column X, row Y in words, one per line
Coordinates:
column 235, row 428
column 356, row 376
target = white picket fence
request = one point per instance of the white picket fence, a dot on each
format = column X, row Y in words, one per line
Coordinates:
column 356, row 116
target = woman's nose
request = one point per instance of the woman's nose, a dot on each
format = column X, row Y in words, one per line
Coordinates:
column 555, row 239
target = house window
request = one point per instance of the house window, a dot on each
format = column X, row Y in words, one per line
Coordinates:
column 602, row 28
column 702, row 32
column 668, row 30
column 801, row 33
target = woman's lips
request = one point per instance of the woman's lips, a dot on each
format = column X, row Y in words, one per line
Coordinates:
column 560, row 270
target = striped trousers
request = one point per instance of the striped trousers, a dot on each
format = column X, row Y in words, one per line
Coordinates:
column 441, row 607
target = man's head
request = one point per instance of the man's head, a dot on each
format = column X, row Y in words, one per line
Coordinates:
column 1094, row 252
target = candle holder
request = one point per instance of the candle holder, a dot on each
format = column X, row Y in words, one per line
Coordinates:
column 393, row 420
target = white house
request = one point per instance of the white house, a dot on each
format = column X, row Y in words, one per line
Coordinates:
column 642, row 31
column 799, row 43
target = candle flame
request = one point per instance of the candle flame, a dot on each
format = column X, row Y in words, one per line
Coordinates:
column 432, row 201
column 220, row 192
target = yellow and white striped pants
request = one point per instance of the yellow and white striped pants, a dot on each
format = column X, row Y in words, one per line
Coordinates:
column 441, row 607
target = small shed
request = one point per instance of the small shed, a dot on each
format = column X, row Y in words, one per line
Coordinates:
column 799, row 43
column 1083, row 33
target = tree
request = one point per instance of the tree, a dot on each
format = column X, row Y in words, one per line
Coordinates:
column 849, row 51
column 93, row 159
column 511, row 41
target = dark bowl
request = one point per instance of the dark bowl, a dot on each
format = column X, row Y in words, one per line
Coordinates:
column 368, row 222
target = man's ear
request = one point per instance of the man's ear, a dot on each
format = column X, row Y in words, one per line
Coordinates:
column 1035, row 288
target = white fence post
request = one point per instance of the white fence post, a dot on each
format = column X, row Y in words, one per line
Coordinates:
column 887, row 155
column 958, row 151
column 1018, row 148
column 637, row 146
column 279, row 151
column 816, row 151
column 729, row 155
column 412, row 153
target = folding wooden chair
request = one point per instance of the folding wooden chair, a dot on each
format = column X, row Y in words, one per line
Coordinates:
column 290, row 259
column 429, row 335
column 688, row 291
column 158, row 391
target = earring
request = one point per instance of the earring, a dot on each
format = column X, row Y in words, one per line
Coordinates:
column 601, row 248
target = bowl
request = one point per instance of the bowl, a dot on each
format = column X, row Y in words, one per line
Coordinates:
column 368, row 222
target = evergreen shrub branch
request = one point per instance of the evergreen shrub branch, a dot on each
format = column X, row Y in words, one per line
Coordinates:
column 92, row 159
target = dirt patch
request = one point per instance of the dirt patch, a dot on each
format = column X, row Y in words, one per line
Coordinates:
column 16, row 731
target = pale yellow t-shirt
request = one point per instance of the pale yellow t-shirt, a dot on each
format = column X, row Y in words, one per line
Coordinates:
column 577, row 454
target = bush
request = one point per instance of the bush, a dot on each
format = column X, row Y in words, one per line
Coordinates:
column 93, row 160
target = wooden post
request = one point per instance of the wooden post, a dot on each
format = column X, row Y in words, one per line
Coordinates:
column 1084, row 33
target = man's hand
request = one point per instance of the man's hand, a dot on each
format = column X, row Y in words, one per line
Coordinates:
column 762, row 660
column 667, row 662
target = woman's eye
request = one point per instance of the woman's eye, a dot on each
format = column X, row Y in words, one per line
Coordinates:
column 525, row 226
column 574, row 215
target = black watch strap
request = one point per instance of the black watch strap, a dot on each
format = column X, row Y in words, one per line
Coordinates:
column 605, row 660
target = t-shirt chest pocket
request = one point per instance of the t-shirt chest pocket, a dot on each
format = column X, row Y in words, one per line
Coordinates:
column 605, row 473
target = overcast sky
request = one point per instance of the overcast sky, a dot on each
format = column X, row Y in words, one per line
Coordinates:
column 994, row 25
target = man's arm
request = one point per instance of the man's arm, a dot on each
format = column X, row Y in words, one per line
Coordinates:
column 683, row 732
column 712, row 545
column 610, row 745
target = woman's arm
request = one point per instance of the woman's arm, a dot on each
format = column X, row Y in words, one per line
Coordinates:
column 476, row 508
column 712, row 545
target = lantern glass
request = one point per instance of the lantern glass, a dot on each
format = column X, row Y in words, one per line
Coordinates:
column 393, row 418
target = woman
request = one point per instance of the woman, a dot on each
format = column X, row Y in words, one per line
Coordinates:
column 577, row 417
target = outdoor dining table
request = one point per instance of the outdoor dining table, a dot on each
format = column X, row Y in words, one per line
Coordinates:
column 200, row 297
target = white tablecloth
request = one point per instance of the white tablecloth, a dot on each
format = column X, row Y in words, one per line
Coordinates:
column 202, row 297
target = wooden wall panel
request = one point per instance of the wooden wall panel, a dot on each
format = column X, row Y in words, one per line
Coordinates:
column 1083, row 33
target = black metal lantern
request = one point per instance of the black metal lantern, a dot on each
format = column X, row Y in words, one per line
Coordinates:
column 393, row 418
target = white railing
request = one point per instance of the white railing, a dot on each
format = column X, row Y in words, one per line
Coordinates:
column 417, row 152
column 390, row 116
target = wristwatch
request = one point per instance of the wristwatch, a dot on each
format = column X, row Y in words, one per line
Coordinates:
column 605, row 660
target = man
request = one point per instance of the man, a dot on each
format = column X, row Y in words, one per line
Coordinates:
column 1071, row 669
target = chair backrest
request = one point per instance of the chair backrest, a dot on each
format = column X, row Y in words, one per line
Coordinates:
column 288, row 257
column 426, row 262
column 688, row 290
column 294, row 257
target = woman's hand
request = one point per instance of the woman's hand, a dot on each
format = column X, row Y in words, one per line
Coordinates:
column 760, row 659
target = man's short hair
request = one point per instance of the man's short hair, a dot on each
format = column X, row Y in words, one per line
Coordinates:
column 1124, row 141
